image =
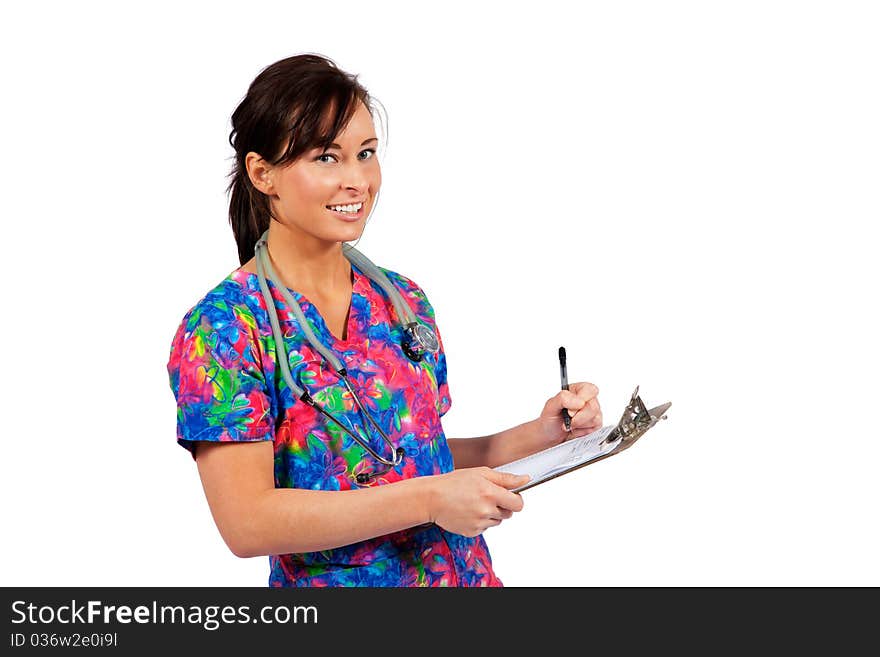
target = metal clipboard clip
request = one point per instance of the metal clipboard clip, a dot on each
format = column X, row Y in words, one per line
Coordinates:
column 634, row 422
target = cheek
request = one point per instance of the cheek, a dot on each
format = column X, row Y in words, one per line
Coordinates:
column 307, row 189
column 376, row 179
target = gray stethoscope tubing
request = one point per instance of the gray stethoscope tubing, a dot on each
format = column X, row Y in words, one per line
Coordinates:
column 371, row 271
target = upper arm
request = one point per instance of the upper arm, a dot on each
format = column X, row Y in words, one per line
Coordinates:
column 224, row 416
column 234, row 477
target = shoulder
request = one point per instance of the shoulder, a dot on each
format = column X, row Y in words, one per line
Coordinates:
column 222, row 316
column 404, row 283
column 410, row 290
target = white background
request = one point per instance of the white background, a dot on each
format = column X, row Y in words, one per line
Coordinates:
column 683, row 194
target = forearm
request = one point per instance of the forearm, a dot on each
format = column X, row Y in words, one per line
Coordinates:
column 285, row 520
column 498, row 448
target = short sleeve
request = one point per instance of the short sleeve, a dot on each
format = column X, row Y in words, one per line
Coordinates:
column 217, row 381
column 442, row 382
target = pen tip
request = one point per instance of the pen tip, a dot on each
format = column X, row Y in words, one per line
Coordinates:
column 561, row 353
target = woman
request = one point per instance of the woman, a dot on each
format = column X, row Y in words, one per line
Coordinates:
column 340, row 478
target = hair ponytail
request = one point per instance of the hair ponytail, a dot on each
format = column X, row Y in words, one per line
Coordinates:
column 249, row 213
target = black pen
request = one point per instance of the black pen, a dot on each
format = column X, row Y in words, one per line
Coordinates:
column 564, row 375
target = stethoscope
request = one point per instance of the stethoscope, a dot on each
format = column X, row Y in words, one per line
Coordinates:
column 418, row 339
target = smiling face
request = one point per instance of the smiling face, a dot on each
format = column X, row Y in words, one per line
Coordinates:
column 347, row 174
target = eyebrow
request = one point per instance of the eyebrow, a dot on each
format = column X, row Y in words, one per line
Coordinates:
column 363, row 143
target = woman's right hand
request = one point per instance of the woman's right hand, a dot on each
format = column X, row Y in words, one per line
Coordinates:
column 470, row 500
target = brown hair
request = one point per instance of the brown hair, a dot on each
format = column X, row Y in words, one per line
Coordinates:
column 284, row 114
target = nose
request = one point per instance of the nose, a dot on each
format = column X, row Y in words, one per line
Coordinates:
column 354, row 177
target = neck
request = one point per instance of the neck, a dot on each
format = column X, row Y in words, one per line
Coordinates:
column 308, row 265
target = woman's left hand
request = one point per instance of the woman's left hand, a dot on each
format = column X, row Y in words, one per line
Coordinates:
column 582, row 402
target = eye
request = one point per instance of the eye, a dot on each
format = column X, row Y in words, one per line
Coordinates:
column 366, row 150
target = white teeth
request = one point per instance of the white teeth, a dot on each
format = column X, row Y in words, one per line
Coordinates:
column 347, row 208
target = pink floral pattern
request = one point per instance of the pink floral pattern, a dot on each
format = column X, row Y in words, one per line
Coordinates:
column 223, row 374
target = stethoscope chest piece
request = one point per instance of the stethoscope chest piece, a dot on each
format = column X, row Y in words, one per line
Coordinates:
column 419, row 340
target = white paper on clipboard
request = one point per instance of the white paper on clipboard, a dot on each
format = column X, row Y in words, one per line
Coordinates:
column 559, row 458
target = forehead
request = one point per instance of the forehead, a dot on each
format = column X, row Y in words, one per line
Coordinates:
column 360, row 127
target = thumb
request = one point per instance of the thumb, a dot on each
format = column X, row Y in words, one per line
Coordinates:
column 508, row 479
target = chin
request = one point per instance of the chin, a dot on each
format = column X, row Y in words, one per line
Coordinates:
column 350, row 235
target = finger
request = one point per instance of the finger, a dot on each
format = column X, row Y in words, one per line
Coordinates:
column 584, row 389
column 591, row 405
column 506, row 479
column 490, row 523
column 493, row 513
column 569, row 400
column 583, row 430
column 589, row 415
column 500, row 513
column 509, row 500
column 577, row 400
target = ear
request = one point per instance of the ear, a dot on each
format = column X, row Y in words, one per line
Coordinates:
column 260, row 172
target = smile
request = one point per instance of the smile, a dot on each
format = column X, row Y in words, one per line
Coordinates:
column 350, row 209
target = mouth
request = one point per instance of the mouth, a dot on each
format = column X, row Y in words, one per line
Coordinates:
column 349, row 211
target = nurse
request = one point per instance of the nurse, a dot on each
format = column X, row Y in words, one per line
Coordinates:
column 360, row 487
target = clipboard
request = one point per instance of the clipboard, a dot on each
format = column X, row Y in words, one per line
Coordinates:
column 574, row 454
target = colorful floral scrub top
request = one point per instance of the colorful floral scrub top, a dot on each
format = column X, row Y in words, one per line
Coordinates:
column 224, row 377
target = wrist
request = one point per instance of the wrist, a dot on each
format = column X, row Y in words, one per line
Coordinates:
column 522, row 440
column 426, row 496
column 530, row 434
column 547, row 432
